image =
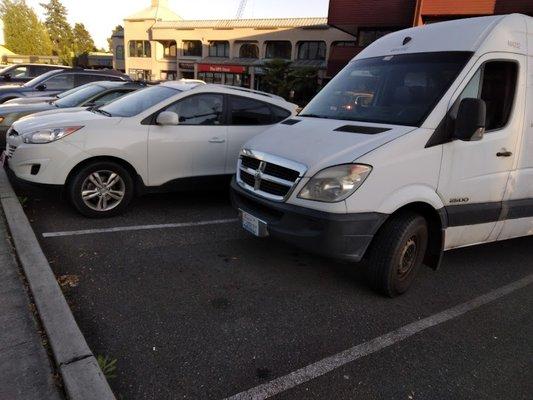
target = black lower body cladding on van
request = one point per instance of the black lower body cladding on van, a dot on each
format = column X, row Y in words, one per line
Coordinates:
column 341, row 236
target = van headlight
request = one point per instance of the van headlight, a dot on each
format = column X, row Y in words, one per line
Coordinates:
column 49, row 135
column 335, row 183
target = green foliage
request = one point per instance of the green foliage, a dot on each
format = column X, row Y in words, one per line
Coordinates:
column 295, row 84
column 108, row 366
column 59, row 30
column 118, row 28
column 83, row 42
column 24, row 33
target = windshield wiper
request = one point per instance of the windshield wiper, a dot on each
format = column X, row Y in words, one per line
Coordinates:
column 97, row 110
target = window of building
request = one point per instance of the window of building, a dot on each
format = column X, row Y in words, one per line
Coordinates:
column 169, row 75
column 140, row 74
column 140, row 48
column 279, row 49
column 249, row 50
column 368, row 35
column 344, row 43
column 312, row 51
column 495, row 83
column 192, row 48
column 170, row 49
column 201, row 109
column 219, row 49
column 119, row 52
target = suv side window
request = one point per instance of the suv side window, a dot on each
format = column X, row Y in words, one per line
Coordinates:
column 280, row 114
column 246, row 111
column 20, row 72
column 60, row 82
column 200, row 109
column 495, row 83
column 36, row 70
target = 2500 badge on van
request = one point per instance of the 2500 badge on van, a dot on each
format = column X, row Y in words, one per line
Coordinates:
column 422, row 144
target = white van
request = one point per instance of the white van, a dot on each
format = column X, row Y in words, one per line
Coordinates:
column 422, row 144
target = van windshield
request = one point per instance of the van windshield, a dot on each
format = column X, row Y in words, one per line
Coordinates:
column 139, row 101
column 396, row 90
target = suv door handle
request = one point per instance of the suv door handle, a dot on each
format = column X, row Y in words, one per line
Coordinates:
column 504, row 153
column 217, row 140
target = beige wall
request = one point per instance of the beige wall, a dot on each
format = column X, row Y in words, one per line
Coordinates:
column 141, row 31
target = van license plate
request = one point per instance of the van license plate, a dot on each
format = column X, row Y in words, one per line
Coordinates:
column 253, row 225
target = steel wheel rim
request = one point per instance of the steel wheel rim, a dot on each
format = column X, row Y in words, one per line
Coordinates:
column 103, row 190
column 408, row 258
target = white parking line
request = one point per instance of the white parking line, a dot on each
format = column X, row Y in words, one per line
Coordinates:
column 329, row 364
column 139, row 228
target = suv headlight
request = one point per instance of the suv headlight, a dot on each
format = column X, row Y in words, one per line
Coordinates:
column 335, row 183
column 49, row 135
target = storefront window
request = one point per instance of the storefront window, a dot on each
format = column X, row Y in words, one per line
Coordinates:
column 312, row 51
column 140, row 74
column 168, row 75
column 140, row 48
column 219, row 49
column 192, row 48
column 249, row 50
column 279, row 49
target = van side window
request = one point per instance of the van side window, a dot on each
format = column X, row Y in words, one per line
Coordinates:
column 495, row 83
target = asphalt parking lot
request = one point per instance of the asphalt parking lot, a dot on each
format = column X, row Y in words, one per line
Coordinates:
column 198, row 309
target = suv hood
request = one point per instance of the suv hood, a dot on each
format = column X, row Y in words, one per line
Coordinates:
column 35, row 122
column 6, row 109
column 318, row 144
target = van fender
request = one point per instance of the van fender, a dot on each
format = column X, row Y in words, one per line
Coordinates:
column 408, row 195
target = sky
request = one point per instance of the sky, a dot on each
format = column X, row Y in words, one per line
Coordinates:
column 101, row 16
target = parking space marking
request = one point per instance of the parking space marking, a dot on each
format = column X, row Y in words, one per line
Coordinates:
column 139, row 228
column 329, row 364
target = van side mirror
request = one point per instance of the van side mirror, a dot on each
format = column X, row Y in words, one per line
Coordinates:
column 471, row 120
column 41, row 87
column 167, row 118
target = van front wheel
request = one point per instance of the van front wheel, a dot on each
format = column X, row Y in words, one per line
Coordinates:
column 396, row 253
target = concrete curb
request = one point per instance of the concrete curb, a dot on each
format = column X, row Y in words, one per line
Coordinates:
column 82, row 377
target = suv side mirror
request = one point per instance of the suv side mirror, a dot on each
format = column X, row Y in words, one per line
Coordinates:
column 41, row 87
column 166, row 118
column 471, row 120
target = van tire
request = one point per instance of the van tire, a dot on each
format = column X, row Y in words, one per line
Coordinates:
column 396, row 253
column 80, row 182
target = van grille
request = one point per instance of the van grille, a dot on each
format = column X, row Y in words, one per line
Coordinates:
column 268, row 176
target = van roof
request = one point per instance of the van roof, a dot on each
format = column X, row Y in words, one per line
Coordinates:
column 493, row 33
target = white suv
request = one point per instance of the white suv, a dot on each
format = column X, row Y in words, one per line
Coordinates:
column 154, row 137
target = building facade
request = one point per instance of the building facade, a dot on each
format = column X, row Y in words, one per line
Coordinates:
column 369, row 20
column 159, row 45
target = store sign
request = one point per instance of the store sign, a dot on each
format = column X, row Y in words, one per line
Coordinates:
column 187, row 66
column 229, row 69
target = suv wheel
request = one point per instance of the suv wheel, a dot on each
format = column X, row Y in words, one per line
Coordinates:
column 101, row 189
column 396, row 253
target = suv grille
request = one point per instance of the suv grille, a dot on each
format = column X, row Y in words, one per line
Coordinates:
column 266, row 176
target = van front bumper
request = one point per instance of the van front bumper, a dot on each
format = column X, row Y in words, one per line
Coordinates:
column 340, row 236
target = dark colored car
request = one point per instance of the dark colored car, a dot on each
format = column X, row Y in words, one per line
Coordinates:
column 58, row 81
column 21, row 73
column 90, row 95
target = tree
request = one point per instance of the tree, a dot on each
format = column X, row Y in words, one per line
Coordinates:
column 83, row 42
column 59, row 30
column 276, row 79
column 24, row 33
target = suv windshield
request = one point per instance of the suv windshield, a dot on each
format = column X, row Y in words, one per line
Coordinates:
column 396, row 90
column 137, row 102
column 80, row 96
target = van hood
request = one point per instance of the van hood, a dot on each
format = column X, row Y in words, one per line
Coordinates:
column 63, row 118
column 319, row 143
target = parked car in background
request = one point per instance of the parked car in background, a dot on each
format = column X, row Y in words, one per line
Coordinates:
column 54, row 82
column 43, row 99
column 21, row 73
column 153, row 139
column 438, row 155
column 90, row 95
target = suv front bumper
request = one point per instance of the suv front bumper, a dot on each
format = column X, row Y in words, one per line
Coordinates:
column 340, row 236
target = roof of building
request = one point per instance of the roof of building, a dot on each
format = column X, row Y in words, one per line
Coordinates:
column 272, row 23
column 155, row 12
